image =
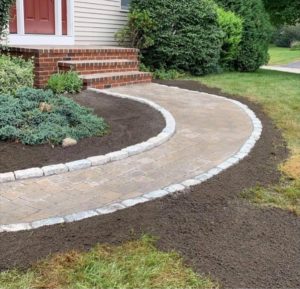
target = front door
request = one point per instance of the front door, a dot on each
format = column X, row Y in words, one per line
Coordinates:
column 39, row 16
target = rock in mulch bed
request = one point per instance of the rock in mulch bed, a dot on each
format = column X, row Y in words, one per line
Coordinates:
column 130, row 123
column 217, row 233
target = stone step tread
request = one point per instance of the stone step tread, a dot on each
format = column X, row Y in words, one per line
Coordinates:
column 98, row 62
column 113, row 74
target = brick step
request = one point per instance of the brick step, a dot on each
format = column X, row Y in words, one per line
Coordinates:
column 98, row 66
column 99, row 54
column 113, row 79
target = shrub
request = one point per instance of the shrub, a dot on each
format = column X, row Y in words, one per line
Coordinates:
column 253, row 49
column 137, row 32
column 21, row 118
column 232, row 27
column 286, row 35
column 295, row 45
column 15, row 73
column 177, row 35
column 68, row 82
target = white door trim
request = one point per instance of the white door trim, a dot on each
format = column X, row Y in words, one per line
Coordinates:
column 20, row 38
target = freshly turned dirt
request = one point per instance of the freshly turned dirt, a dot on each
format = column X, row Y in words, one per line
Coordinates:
column 130, row 123
column 217, row 232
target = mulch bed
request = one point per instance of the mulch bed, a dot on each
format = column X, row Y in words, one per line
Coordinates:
column 217, row 232
column 130, row 123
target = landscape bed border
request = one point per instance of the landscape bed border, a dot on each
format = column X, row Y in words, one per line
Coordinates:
column 169, row 130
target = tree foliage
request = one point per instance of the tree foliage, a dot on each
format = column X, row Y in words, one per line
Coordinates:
column 5, row 6
column 283, row 11
column 253, row 49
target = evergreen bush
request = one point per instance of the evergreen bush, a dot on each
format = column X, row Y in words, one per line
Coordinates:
column 253, row 49
column 23, row 120
column 176, row 34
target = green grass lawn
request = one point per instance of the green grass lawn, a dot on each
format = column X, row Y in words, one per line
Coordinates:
column 136, row 264
column 279, row 55
column 279, row 94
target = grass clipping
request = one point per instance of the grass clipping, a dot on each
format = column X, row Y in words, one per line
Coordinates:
column 136, row 264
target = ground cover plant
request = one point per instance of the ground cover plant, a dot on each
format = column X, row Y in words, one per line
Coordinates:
column 68, row 82
column 279, row 94
column 280, row 55
column 15, row 73
column 35, row 116
column 136, row 264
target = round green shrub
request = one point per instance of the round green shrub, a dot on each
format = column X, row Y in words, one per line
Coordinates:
column 232, row 28
column 21, row 118
column 253, row 49
column 176, row 34
column 68, row 82
column 15, row 73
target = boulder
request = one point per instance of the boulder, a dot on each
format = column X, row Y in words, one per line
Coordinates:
column 69, row 142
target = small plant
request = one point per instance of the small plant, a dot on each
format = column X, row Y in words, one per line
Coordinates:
column 15, row 73
column 35, row 116
column 68, row 82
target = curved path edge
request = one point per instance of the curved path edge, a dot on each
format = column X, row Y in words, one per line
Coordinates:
column 148, row 196
column 99, row 160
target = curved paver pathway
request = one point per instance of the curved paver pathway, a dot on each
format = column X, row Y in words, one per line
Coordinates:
column 210, row 130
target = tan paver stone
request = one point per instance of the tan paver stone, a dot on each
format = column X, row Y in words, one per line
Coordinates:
column 209, row 131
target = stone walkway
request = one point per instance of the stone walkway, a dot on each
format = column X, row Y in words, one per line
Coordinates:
column 209, row 131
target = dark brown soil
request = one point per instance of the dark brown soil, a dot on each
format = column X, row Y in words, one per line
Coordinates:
column 130, row 123
column 217, row 232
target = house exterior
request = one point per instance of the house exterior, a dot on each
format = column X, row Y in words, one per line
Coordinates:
column 77, row 35
column 67, row 22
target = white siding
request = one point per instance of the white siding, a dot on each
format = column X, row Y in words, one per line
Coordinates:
column 97, row 21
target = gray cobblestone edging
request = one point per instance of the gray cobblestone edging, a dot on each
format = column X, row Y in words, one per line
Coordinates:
column 56, row 169
column 196, row 180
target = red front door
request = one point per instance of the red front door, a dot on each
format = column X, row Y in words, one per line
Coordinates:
column 39, row 16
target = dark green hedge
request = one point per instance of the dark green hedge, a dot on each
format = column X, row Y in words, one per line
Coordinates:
column 184, row 35
column 253, row 49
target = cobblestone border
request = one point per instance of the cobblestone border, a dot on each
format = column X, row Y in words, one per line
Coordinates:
column 174, row 188
column 57, row 169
